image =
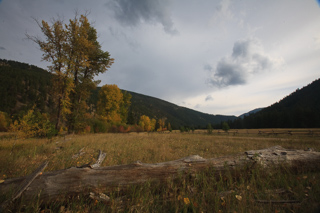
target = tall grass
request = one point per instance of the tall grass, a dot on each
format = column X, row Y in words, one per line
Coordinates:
column 203, row 192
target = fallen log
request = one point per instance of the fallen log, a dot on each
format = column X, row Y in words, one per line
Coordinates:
column 82, row 180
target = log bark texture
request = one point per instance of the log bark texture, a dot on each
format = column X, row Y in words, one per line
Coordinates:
column 72, row 181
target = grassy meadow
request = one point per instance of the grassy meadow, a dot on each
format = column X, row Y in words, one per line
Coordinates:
column 250, row 191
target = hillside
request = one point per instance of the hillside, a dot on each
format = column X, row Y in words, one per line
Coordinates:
column 156, row 108
column 250, row 112
column 300, row 109
column 23, row 86
column 176, row 115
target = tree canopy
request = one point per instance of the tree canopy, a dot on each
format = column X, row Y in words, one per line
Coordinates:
column 76, row 58
column 112, row 104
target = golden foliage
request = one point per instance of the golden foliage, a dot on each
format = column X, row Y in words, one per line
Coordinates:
column 146, row 124
column 4, row 121
column 109, row 103
column 33, row 124
column 76, row 58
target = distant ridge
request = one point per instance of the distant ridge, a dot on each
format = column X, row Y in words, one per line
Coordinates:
column 176, row 115
column 250, row 112
column 23, row 86
column 300, row 109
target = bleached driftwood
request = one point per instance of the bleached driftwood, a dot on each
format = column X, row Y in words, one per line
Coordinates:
column 72, row 181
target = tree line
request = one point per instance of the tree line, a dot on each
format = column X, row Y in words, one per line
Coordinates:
column 300, row 109
column 62, row 104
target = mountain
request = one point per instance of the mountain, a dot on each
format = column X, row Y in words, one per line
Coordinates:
column 250, row 112
column 300, row 109
column 176, row 115
column 23, row 86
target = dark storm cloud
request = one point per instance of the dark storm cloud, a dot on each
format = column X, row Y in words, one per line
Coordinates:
column 132, row 13
column 247, row 58
column 2, row 48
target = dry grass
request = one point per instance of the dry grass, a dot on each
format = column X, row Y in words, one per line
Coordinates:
column 21, row 157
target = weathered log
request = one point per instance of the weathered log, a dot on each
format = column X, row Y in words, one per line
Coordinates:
column 72, row 181
column 25, row 184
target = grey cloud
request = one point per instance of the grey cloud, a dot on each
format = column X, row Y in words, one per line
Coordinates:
column 263, row 62
column 129, row 40
column 228, row 73
column 247, row 59
column 241, row 49
column 197, row 106
column 209, row 98
column 222, row 12
column 207, row 67
column 132, row 13
column 2, row 48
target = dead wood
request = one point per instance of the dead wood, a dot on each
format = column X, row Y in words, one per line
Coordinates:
column 25, row 184
column 100, row 159
column 81, row 152
column 72, row 181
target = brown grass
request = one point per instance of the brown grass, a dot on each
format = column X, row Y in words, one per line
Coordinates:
column 21, row 157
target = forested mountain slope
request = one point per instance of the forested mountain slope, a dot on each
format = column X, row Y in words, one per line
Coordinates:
column 300, row 109
column 23, row 86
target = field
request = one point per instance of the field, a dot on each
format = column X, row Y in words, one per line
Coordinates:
column 245, row 192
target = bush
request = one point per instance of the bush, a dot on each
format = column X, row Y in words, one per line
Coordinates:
column 99, row 126
column 225, row 126
column 33, row 124
column 4, row 122
column 209, row 129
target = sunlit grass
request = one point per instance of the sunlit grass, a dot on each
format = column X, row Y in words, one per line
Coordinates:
column 200, row 192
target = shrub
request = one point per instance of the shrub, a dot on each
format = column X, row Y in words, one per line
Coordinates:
column 33, row 124
column 209, row 129
column 4, row 122
column 225, row 126
column 99, row 126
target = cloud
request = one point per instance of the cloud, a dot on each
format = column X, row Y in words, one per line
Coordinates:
column 317, row 41
column 133, row 13
column 222, row 12
column 197, row 106
column 2, row 48
column 209, row 98
column 247, row 58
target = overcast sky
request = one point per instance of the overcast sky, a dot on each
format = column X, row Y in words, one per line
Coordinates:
column 219, row 57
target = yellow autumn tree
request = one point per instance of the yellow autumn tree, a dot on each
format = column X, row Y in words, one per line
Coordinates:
column 76, row 58
column 146, row 124
column 162, row 124
column 110, row 104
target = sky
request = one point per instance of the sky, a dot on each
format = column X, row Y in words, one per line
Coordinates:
column 215, row 56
